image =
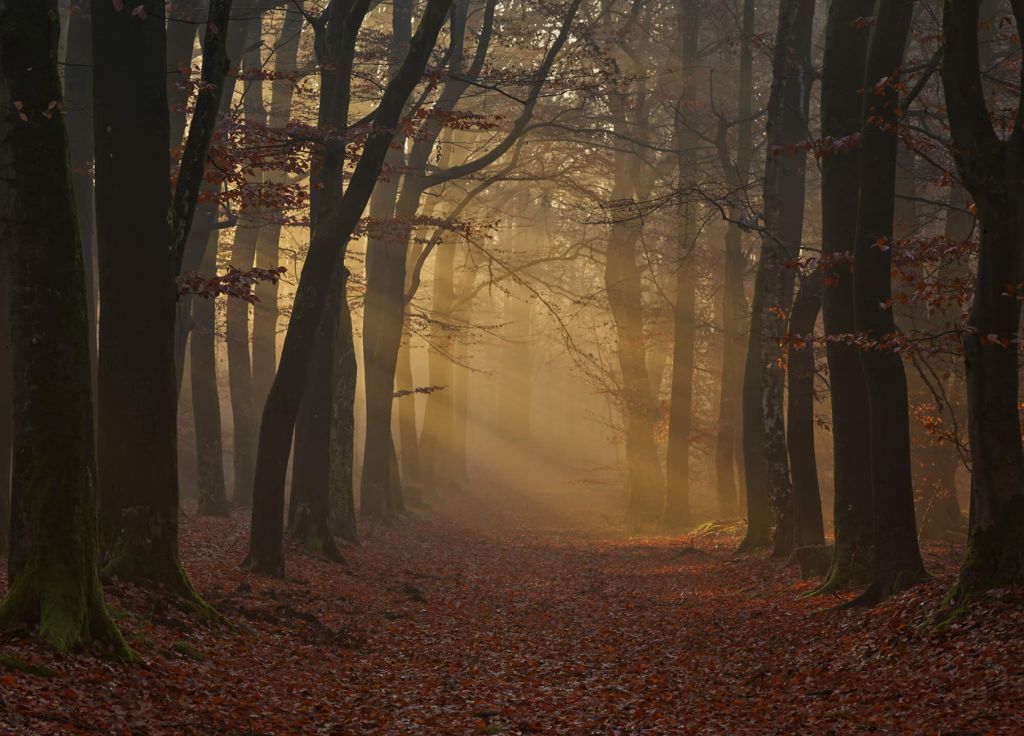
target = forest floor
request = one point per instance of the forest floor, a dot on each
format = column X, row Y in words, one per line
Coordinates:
column 482, row 621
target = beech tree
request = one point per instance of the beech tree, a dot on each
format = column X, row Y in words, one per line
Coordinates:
column 53, row 574
column 326, row 248
column 137, row 377
column 989, row 166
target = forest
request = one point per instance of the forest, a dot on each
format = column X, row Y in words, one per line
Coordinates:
column 511, row 367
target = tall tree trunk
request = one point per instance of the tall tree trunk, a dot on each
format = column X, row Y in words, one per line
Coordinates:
column 265, row 311
column 624, row 286
column 897, row 560
column 206, row 398
column 53, row 580
column 326, row 252
column 784, row 188
column 244, row 412
column 343, row 398
column 808, row 525
column 436, row 439
column 842, row 78
column 729, row 441
column 384, row 304
column 684, row 318
column 137, row 385
column 78, row 79
column 309, row 513
column 990, row 168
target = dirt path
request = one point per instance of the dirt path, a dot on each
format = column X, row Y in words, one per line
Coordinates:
column 482, row 624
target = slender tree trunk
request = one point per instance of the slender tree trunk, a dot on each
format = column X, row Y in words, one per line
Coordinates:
column 184, row 19
column 897, row 560
column 842, row 78
column 206, row 398
column 784, row 189
column 343, row 398
column 265, row 311
column 808, row 525
column 326, row 252
column 244, row 412
column 384, row 305
column 624, row 286
column 53, row 580
column 684, row 318
column 729, row 442
column 436, row 439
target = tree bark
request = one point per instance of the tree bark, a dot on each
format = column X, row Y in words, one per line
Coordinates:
column 784, row 189
column 842, row 78
column 244, row 411
column 897, row 563
column 265, row 311
column 808, row 524
column 137, row 392
column 990, row 168
column 206, row 398
column 684, row 318
column 53, row 575
column 729, row 441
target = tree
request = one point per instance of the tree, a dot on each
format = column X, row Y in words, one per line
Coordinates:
column 53, row 562
column 896, row 562
column 325, row 254
column 677, row 455
column 989, row 167
column 842, row 77
column 142, row 232
column 729, row 441
column 766, row 456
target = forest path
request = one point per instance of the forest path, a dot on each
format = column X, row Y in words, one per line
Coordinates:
column 488, row 620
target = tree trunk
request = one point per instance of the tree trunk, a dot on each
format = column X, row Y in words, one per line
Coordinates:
column 897, row 560
column 137, row 383
column 78, row 79
column 53, row 580
column 206, row 398
column 6, row 379
column 684, row 318
column 729, row 441
column 842, row 78
column 309, row 513
column 326, row 252
column 244, row 412
column 808, row 525
column 436, row 439
column 343, row 399
column 991, row 169
column 784, row 189
column 265, row 311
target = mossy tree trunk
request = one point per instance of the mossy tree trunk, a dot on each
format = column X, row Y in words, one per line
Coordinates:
column 54, row 581
column 991, row 169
